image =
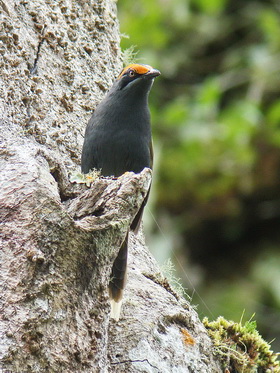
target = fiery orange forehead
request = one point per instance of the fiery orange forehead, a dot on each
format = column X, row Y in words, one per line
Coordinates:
column 139, row 69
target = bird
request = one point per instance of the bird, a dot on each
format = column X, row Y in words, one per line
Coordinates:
column 118, row 139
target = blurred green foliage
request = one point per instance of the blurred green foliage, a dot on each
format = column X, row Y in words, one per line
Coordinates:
column 216, row 125
column 220, row 65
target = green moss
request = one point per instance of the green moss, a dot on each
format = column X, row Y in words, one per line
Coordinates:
column 241, row 347
column 129, row 55
column 169, row 272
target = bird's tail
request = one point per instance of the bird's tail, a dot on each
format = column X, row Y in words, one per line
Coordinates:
column 135, row 225
column 118, row 280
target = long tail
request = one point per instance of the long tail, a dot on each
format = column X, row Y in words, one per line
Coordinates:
column 118, row 280
column 118, row 274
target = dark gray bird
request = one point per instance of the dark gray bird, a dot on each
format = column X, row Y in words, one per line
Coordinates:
column 118, row 139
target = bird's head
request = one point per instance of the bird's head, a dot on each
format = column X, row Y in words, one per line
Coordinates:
column 136, row 75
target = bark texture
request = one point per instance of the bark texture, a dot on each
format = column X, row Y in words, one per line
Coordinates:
column 58, row 241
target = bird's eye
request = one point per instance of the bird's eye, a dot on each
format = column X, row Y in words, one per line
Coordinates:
column 131, row 73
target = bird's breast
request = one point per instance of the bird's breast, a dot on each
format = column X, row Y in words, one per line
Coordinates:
column 124, row 150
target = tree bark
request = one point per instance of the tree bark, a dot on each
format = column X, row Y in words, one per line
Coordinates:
column 58, row 241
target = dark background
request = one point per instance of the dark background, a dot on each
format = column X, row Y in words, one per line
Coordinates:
column 215, row 208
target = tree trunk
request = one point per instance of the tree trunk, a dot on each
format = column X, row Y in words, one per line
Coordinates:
column 58, row 241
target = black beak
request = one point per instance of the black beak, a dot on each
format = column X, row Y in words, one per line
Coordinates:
column 152, row 73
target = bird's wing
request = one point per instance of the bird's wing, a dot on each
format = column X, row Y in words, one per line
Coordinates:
column 151, row 154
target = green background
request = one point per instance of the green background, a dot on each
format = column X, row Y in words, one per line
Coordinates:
column 215, row 207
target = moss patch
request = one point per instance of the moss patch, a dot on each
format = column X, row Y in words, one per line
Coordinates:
column 240, row 347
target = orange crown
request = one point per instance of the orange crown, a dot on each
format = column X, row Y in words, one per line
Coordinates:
column 139, row 69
